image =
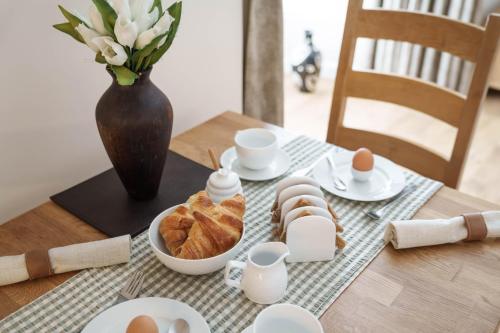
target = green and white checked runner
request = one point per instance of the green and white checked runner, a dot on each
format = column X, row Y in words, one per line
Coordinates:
column 313, row 286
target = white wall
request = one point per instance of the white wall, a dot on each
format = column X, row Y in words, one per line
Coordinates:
column 49, row 86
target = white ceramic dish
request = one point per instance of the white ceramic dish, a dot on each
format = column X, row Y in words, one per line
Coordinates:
column 288, row 205
column 285, row 318
column 187, row 266
column 386, row 181
column 162, row 310
column 311, row 238
column 256, row 147
column 315, row 211
column 278, row 167
column 294, row 180
column 295, row 190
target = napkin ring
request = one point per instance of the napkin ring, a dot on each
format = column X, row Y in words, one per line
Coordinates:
column 38, row 264
column 476, row 226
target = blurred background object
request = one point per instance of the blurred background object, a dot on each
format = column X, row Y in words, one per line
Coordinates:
column 309, row 68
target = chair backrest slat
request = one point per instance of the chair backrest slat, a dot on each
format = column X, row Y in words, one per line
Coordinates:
column 465, row 40
column 441, row 103
column 439, row 32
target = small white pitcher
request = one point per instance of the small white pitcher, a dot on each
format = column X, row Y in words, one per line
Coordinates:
column 264, row 278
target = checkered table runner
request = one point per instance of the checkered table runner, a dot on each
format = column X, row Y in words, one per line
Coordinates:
column 313, row 286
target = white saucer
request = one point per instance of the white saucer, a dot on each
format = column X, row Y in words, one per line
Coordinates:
column 248, row 329
column 162, row 310
column 280, row 165
column 386, row 181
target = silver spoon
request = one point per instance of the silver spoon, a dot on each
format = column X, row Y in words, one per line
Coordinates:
column 179, row 326
column 337, row 181
column 377, row 214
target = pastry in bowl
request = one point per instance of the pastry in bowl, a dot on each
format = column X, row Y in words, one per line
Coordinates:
column 201, row 229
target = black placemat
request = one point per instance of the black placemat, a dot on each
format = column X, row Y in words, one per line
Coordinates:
column 102, row 201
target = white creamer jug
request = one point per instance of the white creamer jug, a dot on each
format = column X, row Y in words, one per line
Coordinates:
column 264, row 279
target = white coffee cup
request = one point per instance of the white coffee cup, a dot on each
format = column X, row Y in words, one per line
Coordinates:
column 286, row 318
column 256, row 148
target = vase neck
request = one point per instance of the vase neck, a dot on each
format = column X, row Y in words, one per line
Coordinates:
column 143, row 77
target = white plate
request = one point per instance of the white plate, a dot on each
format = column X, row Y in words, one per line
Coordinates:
column 162, row 310
column 386, row 181
column 280, row 165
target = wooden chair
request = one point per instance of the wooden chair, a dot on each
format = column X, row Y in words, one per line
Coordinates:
column 467, row 41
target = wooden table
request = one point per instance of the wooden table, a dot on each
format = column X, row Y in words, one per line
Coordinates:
column 448, row 288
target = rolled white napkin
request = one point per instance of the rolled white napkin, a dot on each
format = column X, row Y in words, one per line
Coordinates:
column 414, row 233
column 70, row 258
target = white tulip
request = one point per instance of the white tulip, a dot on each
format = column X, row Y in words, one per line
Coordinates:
column 158, row 29
column 113, row 52
column 126, row 31
column 141, row 15
column 96, row 20
column 88, row 36
column 122, row 7
column 164, row 23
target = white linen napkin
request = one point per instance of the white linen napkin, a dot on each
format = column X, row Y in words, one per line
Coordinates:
column 70, row 258
column 414, row 233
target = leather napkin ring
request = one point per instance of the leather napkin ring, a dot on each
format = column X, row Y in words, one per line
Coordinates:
column 38, row 264
column 476, row 226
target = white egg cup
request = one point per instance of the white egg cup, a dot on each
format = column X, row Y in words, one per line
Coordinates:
column 361, row 176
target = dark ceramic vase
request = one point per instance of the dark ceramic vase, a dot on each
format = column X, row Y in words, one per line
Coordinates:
column 135, row 125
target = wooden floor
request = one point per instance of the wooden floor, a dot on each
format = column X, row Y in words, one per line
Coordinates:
column 308, row 114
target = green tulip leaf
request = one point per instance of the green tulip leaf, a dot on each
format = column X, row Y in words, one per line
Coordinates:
column 175, row 11
column 108, row 15
column 139, row 56
column 68, row 29
column 124, row 76
column 99, row 58
column 72, row 19
column 156, row 4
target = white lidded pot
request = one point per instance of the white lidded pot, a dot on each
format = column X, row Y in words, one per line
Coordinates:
column 265, row 278
column 223, row 184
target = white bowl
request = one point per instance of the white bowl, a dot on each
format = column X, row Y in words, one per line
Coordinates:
column 187, row 266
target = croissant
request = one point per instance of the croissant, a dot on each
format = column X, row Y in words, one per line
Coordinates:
column 215, row 228
column 175, row 228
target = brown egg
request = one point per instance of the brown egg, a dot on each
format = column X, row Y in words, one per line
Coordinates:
column 363, row 160
column 142, row 324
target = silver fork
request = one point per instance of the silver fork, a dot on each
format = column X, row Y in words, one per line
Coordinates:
column 132, row 288
column 129, row 291
column 377, row 214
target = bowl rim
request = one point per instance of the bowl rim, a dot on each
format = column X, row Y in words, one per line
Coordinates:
column 153, row 245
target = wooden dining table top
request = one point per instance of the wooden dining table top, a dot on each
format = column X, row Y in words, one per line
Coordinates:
column 446, row 288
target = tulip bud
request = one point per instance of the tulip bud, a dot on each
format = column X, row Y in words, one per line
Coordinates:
column 112, row 51
column 158, row 29
column 125, row 31
column 88, row 36
column 141, row 15
column 96, row 20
